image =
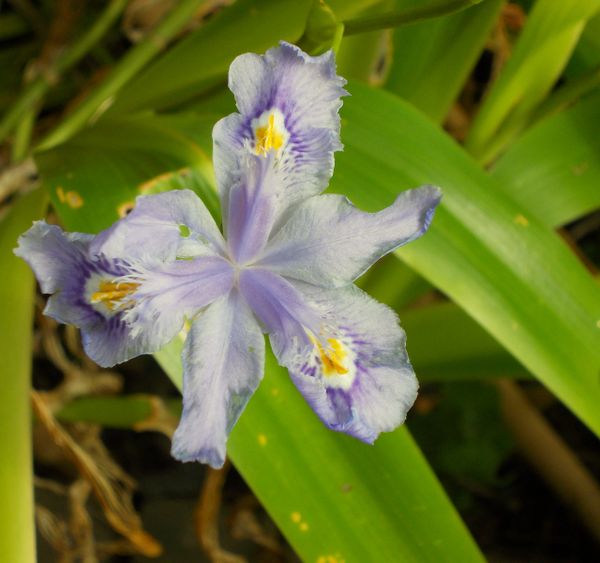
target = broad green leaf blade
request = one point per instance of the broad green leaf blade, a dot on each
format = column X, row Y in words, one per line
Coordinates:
column 17, row 530
column 333, row 496
column 118, row 411
column 202, row 59
column 553, row 170
column 432, row 59
column 550, row 35
column 94, row 178
column 505, row 268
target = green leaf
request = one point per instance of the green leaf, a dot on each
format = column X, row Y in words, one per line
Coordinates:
column 587, row 52
column 406, row 12
column 93, row 179
column 203, row 57
column 553, row 170
column 364, row 56
column 550, row 35
column 499, row 263
column 17, row 530
column 463, row 433
column 122, row 411
column 445, row 344
column 432, row 59
column 393, row 283
column 322, row 487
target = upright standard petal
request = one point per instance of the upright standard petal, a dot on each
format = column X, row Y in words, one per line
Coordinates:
column 288, row 103
column 83, row 291
column 328, row 242
column 223, row 363
column 252, row 209
column 361, row 381
column 162, row 227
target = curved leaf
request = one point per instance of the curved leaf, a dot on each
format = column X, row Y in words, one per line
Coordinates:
column 333, row 496
column 550, row 35
column 564, row 184
column 17, row 529
column 499, row 263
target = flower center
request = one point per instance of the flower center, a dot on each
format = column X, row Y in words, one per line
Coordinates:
column 269, row 132
column 111, row 294
column 334, row 358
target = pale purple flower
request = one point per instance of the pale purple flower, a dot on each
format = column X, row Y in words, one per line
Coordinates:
column 286, row 267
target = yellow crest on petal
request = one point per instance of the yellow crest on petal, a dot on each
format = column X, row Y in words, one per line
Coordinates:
column 111, row 294
column 333, row 358
column 269, row 132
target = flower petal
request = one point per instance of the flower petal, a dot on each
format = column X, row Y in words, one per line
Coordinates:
column 289, row 103
column 223, row 363
column 281, row 308
column 252, row 209
column 328, row 242
column 362, row 383
column 52, row 254
column 159, row 226
column 64, row 269
column 166, row 294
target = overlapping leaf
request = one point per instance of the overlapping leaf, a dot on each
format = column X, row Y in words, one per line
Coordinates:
column 554, row 169
column 432, row 59
column 539, row 57
column 498, row 262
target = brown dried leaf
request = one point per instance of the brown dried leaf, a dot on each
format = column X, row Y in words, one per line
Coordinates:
column 111, row 486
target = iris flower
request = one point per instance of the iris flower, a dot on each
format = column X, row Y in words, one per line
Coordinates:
column 284, row 265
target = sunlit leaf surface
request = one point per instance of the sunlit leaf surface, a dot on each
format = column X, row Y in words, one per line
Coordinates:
column 564, row 183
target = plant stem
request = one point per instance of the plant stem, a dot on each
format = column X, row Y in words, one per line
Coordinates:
column 125, row 69
column 17, row 530
column 22, row 138
column 38, row 87
column 402, row 17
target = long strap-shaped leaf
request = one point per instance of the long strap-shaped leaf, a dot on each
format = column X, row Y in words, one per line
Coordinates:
column 504, row 267
column 17, row 530
column 554, row 168
column 540, row 55
column 335, row 498
column 432, row 59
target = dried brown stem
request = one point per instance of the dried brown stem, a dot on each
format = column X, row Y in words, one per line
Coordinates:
column 550, row 456
column 111, row 486
column 207, row 516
